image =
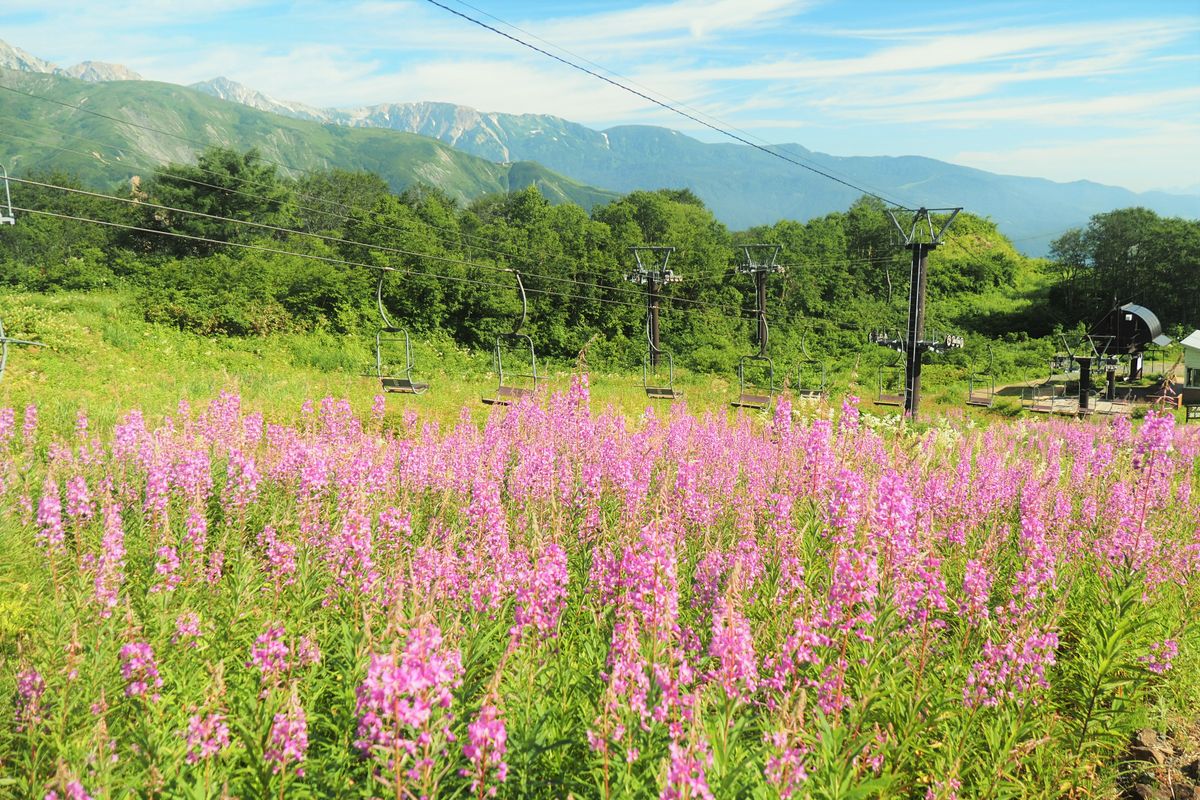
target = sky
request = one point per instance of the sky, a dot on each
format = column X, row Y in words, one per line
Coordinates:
column 1061, row 89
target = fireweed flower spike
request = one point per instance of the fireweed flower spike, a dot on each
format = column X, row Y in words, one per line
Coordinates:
column 140, row 671
column 287, row 743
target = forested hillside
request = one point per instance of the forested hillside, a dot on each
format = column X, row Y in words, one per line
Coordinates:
column 103, row 132
column 304, row 255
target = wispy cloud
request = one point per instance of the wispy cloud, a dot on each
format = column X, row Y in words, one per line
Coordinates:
column 962, row 50
column 1118, row 110
column 693, row 19
column 1139, row 161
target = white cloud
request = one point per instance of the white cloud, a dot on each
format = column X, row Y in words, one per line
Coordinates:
column 1117, row 110
column 1141, row 161
column 696, row 19
column 960, row 50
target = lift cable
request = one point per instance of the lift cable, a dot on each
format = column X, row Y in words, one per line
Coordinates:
column 700, row 304
column 630, row 81
column 357, row 264
column 665, row 105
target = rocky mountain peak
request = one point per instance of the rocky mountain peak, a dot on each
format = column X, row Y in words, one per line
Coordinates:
column 12, row 57
column 99, row 71
column 15, row 58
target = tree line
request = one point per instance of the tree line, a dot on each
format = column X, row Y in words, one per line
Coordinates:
column 845, row 272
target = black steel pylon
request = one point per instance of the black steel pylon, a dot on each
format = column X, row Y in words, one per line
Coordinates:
column 921, row 238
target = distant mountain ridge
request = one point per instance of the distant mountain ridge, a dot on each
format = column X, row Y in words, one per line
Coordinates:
column 743, row 186
column 101, row 150
column 92, row 71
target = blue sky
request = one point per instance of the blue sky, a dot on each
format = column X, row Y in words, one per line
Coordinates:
column 1067, row 90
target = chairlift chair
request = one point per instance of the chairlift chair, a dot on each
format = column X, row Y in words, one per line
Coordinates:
column 981, row 389
column 811, row 375
column 756, row 394
column 751, row 394
column 891, row 385
column 393, row 365
column 5, row 341
column 508, row 390
column 1063, row 362
column 890, row 378
column 6, row 212
column 656, row 390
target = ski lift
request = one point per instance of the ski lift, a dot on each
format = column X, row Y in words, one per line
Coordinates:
column 656, row 390
column 509, row 391
column 811, row 375
column 756, row 394
column 891, row 385
column 393, row 352
column 6, row 212
column 889, row 378
column 751, row 393
column 1105, row 361
column 981, row 388
column 1063, row 362
column 5, row 341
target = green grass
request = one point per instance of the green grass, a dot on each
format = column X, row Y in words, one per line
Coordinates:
column 102, row 356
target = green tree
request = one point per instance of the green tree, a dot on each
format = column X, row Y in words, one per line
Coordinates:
column 223, row 185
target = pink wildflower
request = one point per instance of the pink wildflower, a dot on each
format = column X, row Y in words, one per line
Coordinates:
column 485, row 749
column 288, row 741
column 187, row 629
column 1161, row 656
column 207, row 736
column 687, row 772
column 140, row 670
column 30, row 688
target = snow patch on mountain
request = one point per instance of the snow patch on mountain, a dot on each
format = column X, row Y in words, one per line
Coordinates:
column 225, row 89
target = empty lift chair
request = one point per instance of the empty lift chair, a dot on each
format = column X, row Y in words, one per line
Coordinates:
column 981, row 387
column 393, row 353
column 7, row 218
column 890, row 378
column 655, row 276
column 512, row 386
column 5, row 341
column 1063, row 362
column 652, row 376
column 756, row 394
column 811, row 375
column 6, row 211
column 751, row 393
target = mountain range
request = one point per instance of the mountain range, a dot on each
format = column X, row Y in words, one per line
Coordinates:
column 470, row 152
column 91, row 71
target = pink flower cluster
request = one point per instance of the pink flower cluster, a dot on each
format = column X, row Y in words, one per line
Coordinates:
column 485, row 749
column 401, row 692
column 288, row 740
column 207, row 736
column 140, row 671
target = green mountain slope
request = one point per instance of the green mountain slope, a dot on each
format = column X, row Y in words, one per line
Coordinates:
column 746, row 187
column 43, row 136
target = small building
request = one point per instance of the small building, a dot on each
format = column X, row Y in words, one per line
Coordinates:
column 1130, row 330
column 1191, row 368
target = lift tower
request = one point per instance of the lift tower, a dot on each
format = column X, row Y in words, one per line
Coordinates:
column 921, row 238
column 759, row 260
column 653, row 273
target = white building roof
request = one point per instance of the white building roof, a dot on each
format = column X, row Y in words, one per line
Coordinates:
column 1192, row 340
